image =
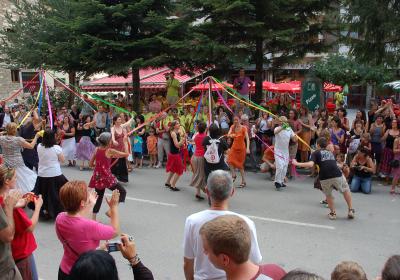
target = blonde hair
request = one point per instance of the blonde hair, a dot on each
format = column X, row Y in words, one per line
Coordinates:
column 6, row 173
column 11, row 129
column 229, row 235
column 348, row 271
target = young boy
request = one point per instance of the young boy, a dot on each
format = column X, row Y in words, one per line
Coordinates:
column 331, row 177
column 152, row 147
column 138, row 150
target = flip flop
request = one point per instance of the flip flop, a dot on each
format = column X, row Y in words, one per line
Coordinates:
column 242, row 185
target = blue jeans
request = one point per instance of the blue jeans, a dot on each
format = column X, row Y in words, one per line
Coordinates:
column 361, row 183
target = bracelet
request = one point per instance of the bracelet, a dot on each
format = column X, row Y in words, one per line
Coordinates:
column 134, row 261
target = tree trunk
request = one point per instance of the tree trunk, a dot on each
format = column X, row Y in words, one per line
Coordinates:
column 136, row 90
column 72, row 82
column 259, row 60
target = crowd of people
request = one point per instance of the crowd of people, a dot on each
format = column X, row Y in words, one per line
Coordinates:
column 213, row 145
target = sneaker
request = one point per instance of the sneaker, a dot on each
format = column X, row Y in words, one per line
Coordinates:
column 323, row 201
column 332, row 216
column 158, row 165
column 350, row 214
column 284, row 186
column 278, row 186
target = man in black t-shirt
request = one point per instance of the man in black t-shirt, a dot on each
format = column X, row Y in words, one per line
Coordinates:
column 330, row 176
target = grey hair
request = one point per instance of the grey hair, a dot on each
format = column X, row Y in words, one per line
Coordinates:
column 104, row 139
column 219, row 185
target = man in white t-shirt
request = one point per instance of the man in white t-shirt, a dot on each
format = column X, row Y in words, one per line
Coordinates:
column 196, row 264
column 283, row 134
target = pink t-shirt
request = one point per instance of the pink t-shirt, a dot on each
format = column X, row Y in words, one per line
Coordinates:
column 198, row 141
column 80, row 234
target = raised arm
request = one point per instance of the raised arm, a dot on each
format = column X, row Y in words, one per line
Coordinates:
column 31, row 145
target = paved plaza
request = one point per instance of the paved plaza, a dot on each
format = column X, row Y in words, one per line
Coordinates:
column 293, row 228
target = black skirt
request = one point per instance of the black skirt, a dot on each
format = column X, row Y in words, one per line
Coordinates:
column 49, row 188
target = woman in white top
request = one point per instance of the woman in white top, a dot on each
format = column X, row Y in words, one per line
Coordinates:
column 11, row 146
column 50, row 178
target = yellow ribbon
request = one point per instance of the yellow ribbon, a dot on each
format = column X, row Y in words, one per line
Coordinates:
column 33, row 108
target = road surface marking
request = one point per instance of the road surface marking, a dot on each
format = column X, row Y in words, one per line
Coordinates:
column 151, row 201
column 290, row 222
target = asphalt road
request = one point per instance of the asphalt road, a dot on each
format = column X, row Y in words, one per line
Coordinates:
column 293, row 228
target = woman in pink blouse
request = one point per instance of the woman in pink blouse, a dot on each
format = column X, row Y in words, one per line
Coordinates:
column 75, row 230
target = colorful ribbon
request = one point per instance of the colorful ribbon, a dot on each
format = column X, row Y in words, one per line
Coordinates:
column 41, row 80
column 48, row 102
column 20, row 90
column 33, row 107
column 256, row 106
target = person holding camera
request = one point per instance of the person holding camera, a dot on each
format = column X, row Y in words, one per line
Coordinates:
column 100, row 265
column 242, row 85
column 75, row 230
column 363, row 167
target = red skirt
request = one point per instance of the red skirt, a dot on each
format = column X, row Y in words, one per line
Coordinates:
column 175, row 164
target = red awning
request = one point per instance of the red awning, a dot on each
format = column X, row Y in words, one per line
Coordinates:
column 150, row 78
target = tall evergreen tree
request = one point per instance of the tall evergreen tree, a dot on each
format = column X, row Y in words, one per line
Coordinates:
column 373, row 30
column 258, row 31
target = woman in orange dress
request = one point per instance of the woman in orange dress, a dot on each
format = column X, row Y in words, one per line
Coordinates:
column 240, row 146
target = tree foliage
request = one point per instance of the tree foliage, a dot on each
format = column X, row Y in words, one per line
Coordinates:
column 373, row 30
column 257, row 31
column 343, row 70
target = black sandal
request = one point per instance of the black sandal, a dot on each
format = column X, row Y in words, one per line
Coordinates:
column 242, row 185
column 175, row 189
column 199, row 197
column 167, row 185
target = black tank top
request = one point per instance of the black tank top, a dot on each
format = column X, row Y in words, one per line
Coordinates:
column 173, row 148
column 389, row 141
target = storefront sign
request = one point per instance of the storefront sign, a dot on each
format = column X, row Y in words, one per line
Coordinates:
column 311, row 92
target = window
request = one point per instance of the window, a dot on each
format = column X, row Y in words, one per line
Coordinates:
column 15, row 76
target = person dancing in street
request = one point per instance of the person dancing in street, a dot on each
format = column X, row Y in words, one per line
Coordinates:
column 102, row 177
column 283, row 135
column 240, row 147
column 50, row 178
column 198, row 178
column 85, row 147
column 68, row 142
column 331, row 177
column 119, row 142
column 11, row 146
column 175, row 165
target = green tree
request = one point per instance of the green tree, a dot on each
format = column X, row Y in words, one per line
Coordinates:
column 344, row 70
column 123, row 36
column 37, row 37
column 373, row 30
column 256, row 31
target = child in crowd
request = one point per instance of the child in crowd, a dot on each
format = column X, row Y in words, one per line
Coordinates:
column 340, row 159
column 138, row 150
column 152, row 146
